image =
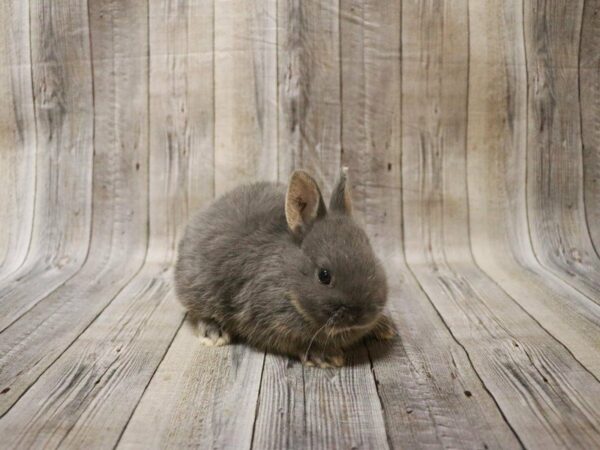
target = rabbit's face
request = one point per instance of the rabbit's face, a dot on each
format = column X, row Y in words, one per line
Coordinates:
column 344, row 284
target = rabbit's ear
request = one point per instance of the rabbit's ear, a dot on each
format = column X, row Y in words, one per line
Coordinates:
column 303, row 202
column 341, row 199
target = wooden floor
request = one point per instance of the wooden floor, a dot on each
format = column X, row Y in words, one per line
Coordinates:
column 472, row 133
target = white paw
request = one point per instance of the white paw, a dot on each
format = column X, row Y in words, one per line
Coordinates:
column 322, row 361
column 211, row 335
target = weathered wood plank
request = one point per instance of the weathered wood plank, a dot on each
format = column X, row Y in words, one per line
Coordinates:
column 63, row 108
column 73, row 404
column 589, row 96
column 245, row 92
column 341, row 406
column 315, row 408
column 207, row 398
column 17, row 137
column 182, row 105
column 434, row 101
column 227, row 378
column 119, row 238
column 281, row 416
column 496, row 176
column 143, row 319
column 309, row 90
column 371, row 128
column 535, row 381
column 431, row 395
column 421, row 377
column 554, row 149
column 141, row 322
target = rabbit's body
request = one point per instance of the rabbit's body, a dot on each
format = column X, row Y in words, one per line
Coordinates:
column 242, row 271
column 231, row 264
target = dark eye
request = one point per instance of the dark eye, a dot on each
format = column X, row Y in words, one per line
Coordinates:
column 324, row 276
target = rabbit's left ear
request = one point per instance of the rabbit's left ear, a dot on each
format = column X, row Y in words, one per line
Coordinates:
column 303, row 202
column 341, row 199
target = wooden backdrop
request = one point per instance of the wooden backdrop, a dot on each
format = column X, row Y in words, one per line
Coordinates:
column 472, row 134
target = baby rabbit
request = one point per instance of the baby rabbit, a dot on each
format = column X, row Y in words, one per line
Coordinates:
column 274, row 267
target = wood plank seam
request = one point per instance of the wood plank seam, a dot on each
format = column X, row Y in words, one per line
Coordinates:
column 494, row 281
column 483, row 385
column 527, row 176
column 134, row 409
column 17, row 241
column 260, row 385
column 562, row 261
column 87, row 254
column 464, row 269
column 468, row 202
column 67, row 347
column 381, row 403
column 583, row 183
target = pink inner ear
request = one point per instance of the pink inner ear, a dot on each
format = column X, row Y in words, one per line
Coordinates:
column 301, row 204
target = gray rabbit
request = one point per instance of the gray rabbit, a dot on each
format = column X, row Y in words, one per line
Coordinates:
column 270, row 265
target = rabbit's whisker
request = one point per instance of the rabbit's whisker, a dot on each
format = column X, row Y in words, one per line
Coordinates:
column 328, row 323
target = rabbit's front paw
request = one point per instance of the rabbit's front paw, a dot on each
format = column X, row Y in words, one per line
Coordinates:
column 322, row 361
column 211, row 334
column 385, row 329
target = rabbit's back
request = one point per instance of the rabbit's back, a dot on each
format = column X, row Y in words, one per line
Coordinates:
column 224, row 244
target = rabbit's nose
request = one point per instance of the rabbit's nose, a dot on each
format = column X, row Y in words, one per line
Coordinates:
column 346, row 315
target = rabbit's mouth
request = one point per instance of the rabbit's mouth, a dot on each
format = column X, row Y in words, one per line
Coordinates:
column 340, row 329
column 340, row 323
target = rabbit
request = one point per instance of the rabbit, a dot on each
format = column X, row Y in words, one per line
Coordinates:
column 272, row 266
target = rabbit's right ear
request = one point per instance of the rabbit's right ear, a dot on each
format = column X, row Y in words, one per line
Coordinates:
column 303, row 202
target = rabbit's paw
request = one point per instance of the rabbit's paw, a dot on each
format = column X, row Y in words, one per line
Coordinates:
column 211, row 334
column 322, row 361
column 384, row 330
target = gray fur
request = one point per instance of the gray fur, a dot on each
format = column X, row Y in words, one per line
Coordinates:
column 240, row 267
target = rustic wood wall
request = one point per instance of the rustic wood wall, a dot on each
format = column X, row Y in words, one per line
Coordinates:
column 472, row 134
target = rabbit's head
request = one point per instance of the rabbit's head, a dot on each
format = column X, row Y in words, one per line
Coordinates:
column 343, row 285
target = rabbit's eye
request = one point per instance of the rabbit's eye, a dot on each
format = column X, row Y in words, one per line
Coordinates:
column 324, row 276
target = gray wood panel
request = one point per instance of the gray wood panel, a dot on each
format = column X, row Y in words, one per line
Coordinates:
column 559, row 230
column 589, row 96
column 501, row 244
column 119, row 225
column 17, row 136
column 211, row 398
column 61, row 82
column 471, row 133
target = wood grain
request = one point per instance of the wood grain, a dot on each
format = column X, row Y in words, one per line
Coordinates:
column 119, row 229
column 63, row 109
column 472, row 136
column 508, row 349
column 309, row 102
column 589, row 97
column 73, row 403
column 207, row 396
column 535, row 381
column 324, row 408
column 496, row 166
column 17, row 137
column 554, row 148
column 245, row 75
column 431, row 394
column 232, row 383
column 434, row 101
column 421, row 378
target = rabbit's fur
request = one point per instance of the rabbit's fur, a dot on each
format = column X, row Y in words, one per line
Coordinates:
column 248, row 267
